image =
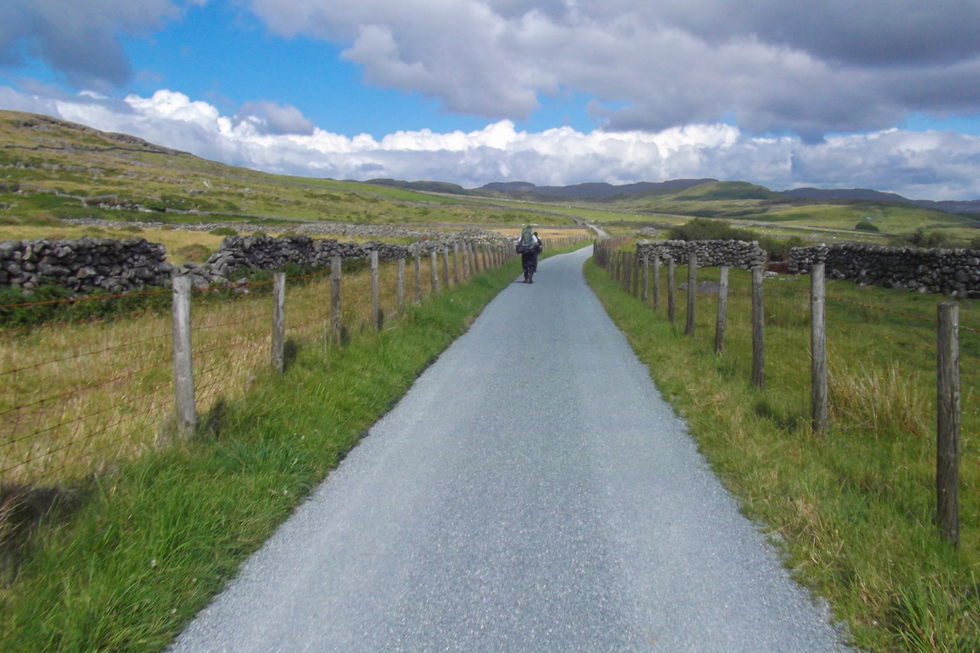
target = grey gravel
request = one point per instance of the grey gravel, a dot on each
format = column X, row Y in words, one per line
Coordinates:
column 532, row 492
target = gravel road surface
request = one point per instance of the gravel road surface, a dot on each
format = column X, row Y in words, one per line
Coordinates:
column 532, row 492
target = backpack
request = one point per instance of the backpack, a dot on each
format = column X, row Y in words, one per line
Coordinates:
column 526, row 243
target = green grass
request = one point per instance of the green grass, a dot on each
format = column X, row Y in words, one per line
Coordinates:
column 852, row 509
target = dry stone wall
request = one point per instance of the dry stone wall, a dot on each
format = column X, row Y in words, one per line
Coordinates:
column 89, row 264
column 950, row 271
column 84, row 265
column 711, row 253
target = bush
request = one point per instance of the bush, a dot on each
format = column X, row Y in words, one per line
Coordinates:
column 919, row 238
column 705, row 229
column 154, row 205
column 223, row 231
column 866, row 226
column 778, row 248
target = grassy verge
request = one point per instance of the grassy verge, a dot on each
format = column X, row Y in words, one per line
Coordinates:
column 853, row 509
column 146, row 546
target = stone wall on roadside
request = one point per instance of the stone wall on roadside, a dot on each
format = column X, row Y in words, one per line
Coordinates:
column 88, row 264
column 949, row 271
column 711, row 253
column 84, row 265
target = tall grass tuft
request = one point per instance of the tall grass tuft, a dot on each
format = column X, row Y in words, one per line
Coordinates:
column 880, row 399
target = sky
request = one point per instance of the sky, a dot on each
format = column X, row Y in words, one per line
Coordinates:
column 881, row 94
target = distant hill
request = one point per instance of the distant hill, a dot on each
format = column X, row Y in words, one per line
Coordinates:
column 431, row 186
column 832, row 194
column 703, row 190
column 591, row 191
column 868, row 195
column 726, row 190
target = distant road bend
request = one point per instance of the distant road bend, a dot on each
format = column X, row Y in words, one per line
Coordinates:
column 532, row 492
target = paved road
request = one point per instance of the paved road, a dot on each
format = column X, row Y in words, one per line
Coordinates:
column 532, row 492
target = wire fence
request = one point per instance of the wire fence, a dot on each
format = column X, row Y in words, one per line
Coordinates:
column 93, row 383
column 88, row 381
column 882, row 368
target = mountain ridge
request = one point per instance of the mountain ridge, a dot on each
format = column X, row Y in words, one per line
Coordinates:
column 602, row 191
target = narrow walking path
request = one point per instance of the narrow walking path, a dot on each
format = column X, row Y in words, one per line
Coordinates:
column 532, row 492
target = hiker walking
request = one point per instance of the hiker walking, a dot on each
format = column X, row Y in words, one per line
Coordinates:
column 529, row 246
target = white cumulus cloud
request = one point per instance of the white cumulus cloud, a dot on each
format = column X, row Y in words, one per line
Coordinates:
column 921, row 165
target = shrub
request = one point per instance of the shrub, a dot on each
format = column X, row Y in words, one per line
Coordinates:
column 920, row 238
column 155, row 205
column 866, row 226
column 778, row 248
column 705, row 229
column 223, row 231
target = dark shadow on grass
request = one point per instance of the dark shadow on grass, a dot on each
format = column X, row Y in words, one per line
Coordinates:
column 790, row 421
column 291, row 350
column 22, row 509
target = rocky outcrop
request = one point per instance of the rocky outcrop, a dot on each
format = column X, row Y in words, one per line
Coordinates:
column 950, row 271
column 84, row 265
column 711, row 253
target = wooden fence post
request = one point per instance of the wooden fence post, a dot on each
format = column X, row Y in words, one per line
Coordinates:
column 435, row 272
column 418, row 275
column 483, row 252
column 186, row 407
column 279, row 322
column 646, row 275
column 445, row 266
column 722, row 310
column 948, row 422
column 377, row 316
column 758, row 330
column 656, row 282
column 692, row 291
column 636, row 274
column 671, row 291
column 467, row 272
column 818, row 347
column 400, row 288
column 336, row 326
column 455, row 263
